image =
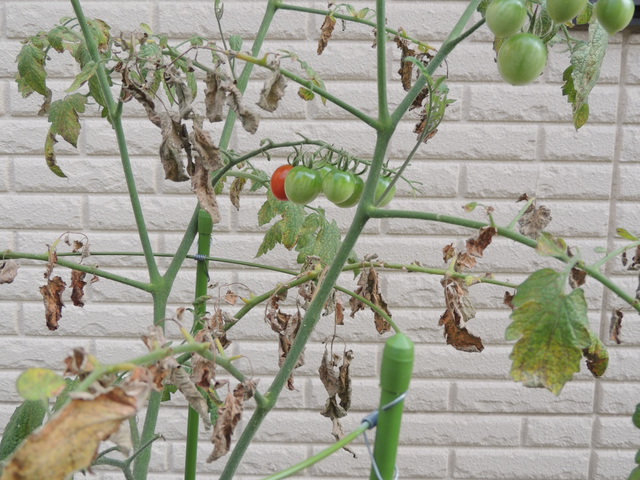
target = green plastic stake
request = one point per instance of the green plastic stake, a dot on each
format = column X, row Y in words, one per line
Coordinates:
column 205, row 227
column 395, row 375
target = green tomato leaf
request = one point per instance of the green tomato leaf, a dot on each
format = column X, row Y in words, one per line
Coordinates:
column 24, row 420
column 636, row 416
column 635, row 473
column 583, row 73
column 285, row 231
column 31, row 76
column 626, row 235
column 324, row 244
column 40, row 384
column 64, row 119
column 235, row 42
column 551, row 329
column 62, row 38
column 88, row 71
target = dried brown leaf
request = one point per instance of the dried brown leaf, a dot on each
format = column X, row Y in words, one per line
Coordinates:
column 458, row 312
column 206, row 150
column 464, row 261
column 228, row 419
column 77, row 286
column 578, row 277
column 8, row 271
column 369, row 288
column 203, row 372
column 339, row 310
column 615, row 326
column 173, row 135
column 131, row 89
column 477, row 245
column 534, row 220
column 248, row 117
column 69, row 441
column 508, row 300
column 448, row 252
column 52, row 297
column 205, row 193
column 326, row 30
column 231, row 297
column 79, row 363
column 214, row 97
column 180, row 378
column 273, row 88
column 286, row 326
column 523, row 198
column 406, row 68
column 51, row 264
column 173, row 78
column 236, row 188
column 458, row 336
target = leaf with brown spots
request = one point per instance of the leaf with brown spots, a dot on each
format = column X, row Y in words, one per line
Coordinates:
column 596, row 356
column 52, row 297
column 534, row 220
column 477, row 245
column 69, row 441
column 8, row 271
column 615, row 326
column 229, row 416
column 77, row 286
column 236, row 189
column 369, row 288
column 326, row 30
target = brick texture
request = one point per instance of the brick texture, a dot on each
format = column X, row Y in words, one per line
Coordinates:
column 465, row 419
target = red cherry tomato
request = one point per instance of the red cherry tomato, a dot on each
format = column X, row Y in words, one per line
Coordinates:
column 277, row 181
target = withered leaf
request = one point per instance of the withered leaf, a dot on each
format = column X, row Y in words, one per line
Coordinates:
column 477, row 245
column 180, row 378
column 206, row 151
column 406, row 68
column 464, row 261
column 577, row 278
column 328, row 376
column 8, row 271
column 286, row 326
column 339, row 310
column 171, row 149
column 273, row 88
column 248, row 117
column 458, row 336
column 142, row 96
column 534, row 220
column 448, row 252
column 77, row 286
column 228, row 419
column 338, row 433
column 326, row 30
column 205, row 193
column 216, row 326
column 173, row 78
column 79, row 363
column 52, row 297
column 369, row 288
column 214, row 97
column 615, row 326
column 236, row 188
column 69, row 441
column 231, row 297
column 458, row 312
column 53, row 261
column 420, row 126
column 203, row 371
column 508, row 300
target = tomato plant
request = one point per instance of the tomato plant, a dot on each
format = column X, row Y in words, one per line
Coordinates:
column 614, row 15
column 302, row 184
column 355, row 196
column 522, row 58
column 383, row 183
column 277, row 181
column 338, row 185
column 561, row 11
column 506, row 17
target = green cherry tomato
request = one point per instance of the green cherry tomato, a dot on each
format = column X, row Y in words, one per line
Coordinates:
column 302, row 184
column 561, row 11
column 355, row 196
column 325, row 170
column 338, row 185
column 383, row 183
column 522, row 58
column 277, row 181
column 506, row 17
column 614, row 15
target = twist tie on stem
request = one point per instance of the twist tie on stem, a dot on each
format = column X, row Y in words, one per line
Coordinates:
column 372, row 420
column 200, row 257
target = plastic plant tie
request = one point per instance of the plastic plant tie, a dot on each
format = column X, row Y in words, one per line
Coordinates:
column 200, row 257
column 372, row 420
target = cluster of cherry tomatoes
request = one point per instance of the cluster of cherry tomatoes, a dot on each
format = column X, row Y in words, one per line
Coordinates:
column 300, row 184
column 523, row 56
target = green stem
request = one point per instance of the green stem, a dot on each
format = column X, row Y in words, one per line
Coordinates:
column 597, row 265
column 334, row 447
column 381, row 63
column 116, row 121
column 82, row 268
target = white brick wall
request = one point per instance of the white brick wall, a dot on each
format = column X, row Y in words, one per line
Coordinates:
column 465, row 418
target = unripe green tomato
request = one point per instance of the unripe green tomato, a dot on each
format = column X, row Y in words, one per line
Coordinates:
column 383, row 183
column 614, row 15
column 522, row 58
column 355, row 196
column 506, row 17
column 561, row 11
column 338, row 185
column 302, row 184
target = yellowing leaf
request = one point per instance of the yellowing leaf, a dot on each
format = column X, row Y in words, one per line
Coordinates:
column 31, row 75
column 551, row 329
column 63, row 116
column 39, row 384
